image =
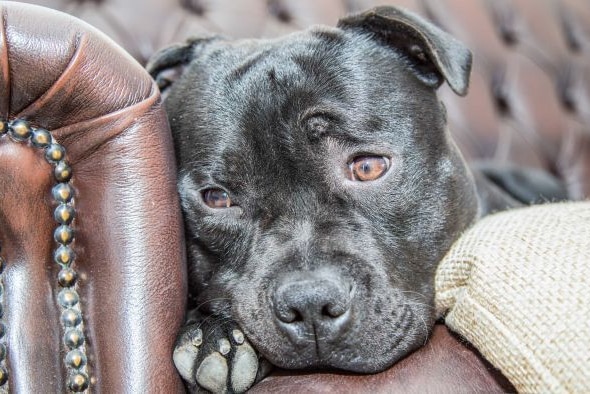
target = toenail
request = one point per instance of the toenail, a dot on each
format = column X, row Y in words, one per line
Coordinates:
column 224, row 346
column 238, row 336
column 197, row 337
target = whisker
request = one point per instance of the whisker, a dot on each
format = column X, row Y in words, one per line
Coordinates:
column 416, row 293
column 212, row 300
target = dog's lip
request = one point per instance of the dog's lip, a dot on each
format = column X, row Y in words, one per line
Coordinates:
column 341, row 361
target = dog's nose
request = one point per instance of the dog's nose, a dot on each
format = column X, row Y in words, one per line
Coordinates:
column 311, row 307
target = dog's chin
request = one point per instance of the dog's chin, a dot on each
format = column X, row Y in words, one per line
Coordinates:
column 362, row 358
column 360, row 365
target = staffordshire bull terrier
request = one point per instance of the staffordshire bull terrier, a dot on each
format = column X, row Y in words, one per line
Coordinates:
column 320, row 188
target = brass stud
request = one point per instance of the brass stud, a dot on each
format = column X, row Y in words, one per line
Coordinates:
column 55, row 153
column 20, row 130
column 73, row 338
column 78, row 382
column 41, row 138
column 62, row 192
column 63, row 255
column 64, row 214
column 67, row 277
column 76, row 359
column 63, row 235
column 71, row 318
column 62, row 172
column 3, row 376
column 68, row 298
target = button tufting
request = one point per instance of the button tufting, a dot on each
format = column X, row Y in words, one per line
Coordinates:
column 278, row 9
column 194, row 6
column 500, row 94
column 505, row 21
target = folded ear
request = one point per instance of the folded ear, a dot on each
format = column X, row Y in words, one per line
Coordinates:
column 433, row 55
column 168, row 64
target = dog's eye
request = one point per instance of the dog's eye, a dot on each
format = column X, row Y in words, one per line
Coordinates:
column 216, row 198
column 367, row 168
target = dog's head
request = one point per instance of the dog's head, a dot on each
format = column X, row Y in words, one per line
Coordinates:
column 319, row 184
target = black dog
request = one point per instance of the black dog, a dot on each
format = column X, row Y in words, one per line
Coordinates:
column 320, row 188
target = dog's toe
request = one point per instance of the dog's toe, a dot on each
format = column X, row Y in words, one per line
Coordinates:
column 217, row 358
column 186, row 353
column 244, row 364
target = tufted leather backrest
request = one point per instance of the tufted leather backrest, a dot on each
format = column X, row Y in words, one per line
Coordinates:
column 529, row 101
column 93, row 287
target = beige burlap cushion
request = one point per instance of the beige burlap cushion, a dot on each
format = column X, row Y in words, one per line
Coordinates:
column 517, row 286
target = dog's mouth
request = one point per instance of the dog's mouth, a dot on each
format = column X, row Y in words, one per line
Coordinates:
column 354, row 350
column 321, row 324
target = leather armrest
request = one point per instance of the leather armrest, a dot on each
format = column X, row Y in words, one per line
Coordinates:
column 60, row 74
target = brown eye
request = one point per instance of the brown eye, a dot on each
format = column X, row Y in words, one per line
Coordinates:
column 216, row 198
column 368, row 168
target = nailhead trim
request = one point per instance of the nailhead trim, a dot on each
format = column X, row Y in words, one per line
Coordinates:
column 3, row 350
column 3, row 369
column 63, row 193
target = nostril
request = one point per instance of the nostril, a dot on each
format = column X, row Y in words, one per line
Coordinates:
column 289, row 315
column 333, row 310
column 297, row 316
column 294, row 316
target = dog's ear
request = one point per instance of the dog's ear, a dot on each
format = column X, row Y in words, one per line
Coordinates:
column 168, row 64
column 433, row 55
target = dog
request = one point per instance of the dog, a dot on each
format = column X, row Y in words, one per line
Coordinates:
column 320, row 188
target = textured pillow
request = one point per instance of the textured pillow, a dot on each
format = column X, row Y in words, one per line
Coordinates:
column 517, row 286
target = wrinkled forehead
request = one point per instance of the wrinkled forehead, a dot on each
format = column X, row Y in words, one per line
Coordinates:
column 254, row 96
column 252, row 68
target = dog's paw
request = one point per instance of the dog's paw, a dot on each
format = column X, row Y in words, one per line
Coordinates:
column 217, row 358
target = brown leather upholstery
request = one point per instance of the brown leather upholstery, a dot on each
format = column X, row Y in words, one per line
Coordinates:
column 444, row 365
column 62, row 75
column 529, row 104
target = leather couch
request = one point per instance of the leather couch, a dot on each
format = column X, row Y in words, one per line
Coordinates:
column 101, row 308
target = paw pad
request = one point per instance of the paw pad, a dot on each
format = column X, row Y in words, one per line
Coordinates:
column 215, row 359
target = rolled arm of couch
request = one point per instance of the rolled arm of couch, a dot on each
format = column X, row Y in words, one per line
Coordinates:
column 94, row 301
